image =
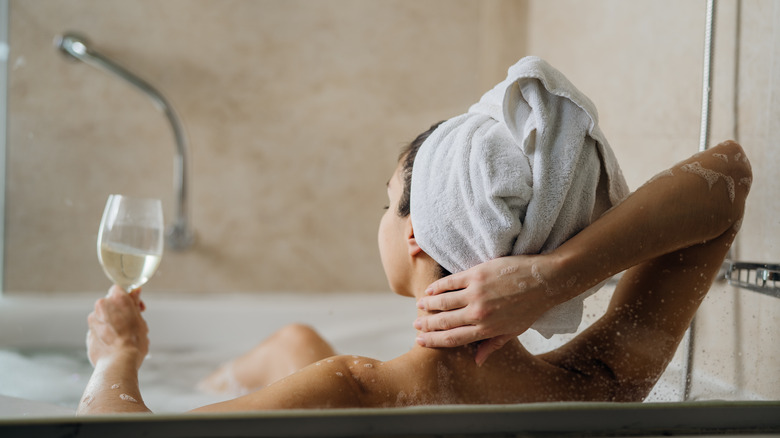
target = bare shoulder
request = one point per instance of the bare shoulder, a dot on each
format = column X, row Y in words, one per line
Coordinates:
column 336, row 382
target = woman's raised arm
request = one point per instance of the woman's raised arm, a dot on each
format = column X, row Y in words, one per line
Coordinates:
column 696, row 203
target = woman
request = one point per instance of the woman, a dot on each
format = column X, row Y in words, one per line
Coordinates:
column 524, row 171
column 671, row 235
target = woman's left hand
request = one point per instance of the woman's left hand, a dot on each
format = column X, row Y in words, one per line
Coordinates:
column 117, row 327
column 493, row 302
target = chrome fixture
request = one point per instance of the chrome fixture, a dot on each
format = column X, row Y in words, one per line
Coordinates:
column 706, row 92
column 704, row 134
column 758, row 277
column 179, row 236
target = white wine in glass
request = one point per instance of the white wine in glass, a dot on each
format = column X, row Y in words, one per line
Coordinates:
column 130, row 240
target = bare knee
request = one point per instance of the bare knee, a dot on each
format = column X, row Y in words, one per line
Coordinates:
column 297, row 333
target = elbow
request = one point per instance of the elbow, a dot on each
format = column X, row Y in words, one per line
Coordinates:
column 734, row 164
column 738, row 164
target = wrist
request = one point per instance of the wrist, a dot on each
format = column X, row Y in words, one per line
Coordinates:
column 579, row 266
column 566, row 274
column 121, row 355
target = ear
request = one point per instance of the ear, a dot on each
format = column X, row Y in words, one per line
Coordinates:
column 411, row 242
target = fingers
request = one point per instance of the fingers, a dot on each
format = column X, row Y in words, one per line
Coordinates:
column 451, row 338
column 135, row 294
column 443, row 321
column 448, row 301
column 448, row 283
column 488, row 346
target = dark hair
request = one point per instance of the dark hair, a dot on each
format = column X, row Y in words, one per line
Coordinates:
column 407, row 157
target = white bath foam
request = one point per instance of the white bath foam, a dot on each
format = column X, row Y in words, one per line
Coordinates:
column 115, row 386
column 746, row 181
column 710, row 176
column 537, row 275
column 723, row 157
column 223, row 381
column 57, row 377
column 730, row 187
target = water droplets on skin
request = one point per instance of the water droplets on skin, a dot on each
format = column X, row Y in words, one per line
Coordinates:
column 506, row 271
column 710, row 176
column 339, row 373
column 368, row 365
column 537, row 275
column 128, row 398
column 329, row 361
column 723, row 157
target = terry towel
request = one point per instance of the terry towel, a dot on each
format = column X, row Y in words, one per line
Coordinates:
column 517, row 174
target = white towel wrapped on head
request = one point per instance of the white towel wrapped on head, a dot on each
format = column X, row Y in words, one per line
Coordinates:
column 517, row 174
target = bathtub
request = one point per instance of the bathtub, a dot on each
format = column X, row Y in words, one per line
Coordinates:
column 45, row 369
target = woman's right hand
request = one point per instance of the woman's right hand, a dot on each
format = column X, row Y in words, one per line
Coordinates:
column 492, row 302
column 117, row 327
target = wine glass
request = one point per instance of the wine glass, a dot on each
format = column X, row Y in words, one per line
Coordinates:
column 130, row 240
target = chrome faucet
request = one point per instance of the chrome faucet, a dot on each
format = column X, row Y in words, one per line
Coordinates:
column 179, row 236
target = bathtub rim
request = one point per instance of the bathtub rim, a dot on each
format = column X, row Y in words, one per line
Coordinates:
column 538, row 419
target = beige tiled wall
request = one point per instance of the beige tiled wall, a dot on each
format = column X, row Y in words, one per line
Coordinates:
column 296, row 110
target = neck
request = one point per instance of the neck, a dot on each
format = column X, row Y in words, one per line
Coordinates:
column 417, row 285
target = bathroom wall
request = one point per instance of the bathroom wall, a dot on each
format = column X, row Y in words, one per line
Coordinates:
column 641, row 63
column 295, row 112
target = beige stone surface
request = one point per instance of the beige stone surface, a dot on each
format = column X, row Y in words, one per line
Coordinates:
column 295, row 112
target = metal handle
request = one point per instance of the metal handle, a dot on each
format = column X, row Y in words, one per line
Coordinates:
column 758, row 277
column 179, row 235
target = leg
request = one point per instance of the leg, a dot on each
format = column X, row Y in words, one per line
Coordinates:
column 286, row 351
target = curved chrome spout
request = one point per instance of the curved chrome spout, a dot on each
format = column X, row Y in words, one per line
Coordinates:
column 179, row 235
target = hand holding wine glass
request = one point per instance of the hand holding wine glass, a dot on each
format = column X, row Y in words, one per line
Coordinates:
column 130, row 240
